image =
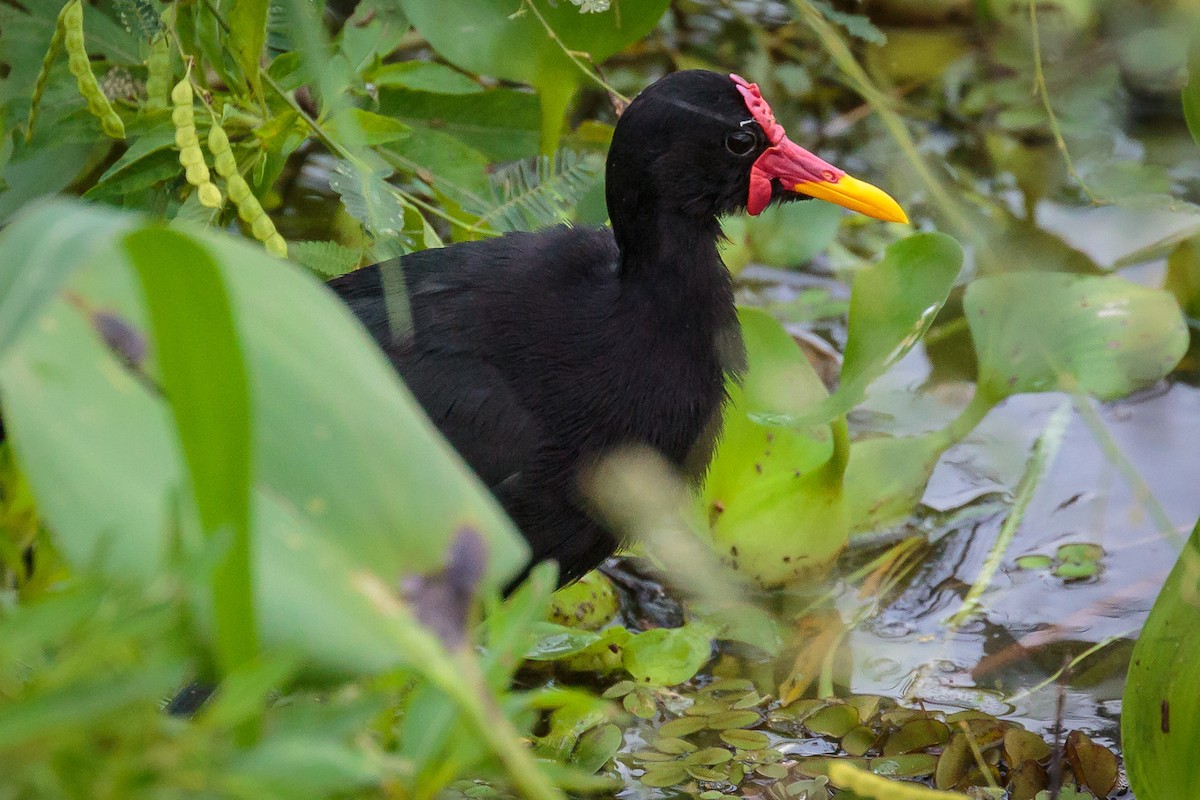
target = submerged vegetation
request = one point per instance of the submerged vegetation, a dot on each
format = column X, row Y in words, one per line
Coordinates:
column 209, row 470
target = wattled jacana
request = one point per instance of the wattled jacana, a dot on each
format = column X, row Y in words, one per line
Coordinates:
column 535, row 354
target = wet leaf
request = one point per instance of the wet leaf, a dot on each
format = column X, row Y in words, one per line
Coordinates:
column 906, row 765
column 1037, row 332
column 745, row 740
column 858, row 740
column 1035, row 562
column 725, row 720
column 667, row 656
column 917, row 734
column 834, row 721
column 597, row 747
column 1094, row 765
column 1021, row 745
column 640, row 703
column 684, row 726
column 892, row 304
column 664, row 775
column 589, row 603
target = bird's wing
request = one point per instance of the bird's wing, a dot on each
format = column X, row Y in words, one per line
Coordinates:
column 423, row 312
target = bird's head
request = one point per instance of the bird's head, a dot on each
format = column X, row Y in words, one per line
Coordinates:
column 700, row 143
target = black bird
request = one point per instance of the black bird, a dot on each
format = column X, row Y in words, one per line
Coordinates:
column 537, row 353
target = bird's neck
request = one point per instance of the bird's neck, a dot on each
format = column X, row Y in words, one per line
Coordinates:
column 674, row 258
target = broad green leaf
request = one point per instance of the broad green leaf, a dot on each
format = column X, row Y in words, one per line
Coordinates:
column 774, row 510
column 425, row 76
column 886, row 477
column 53, row 242
column 1039, row 332
column 1159, row 729
column 510, row 41
column 351, row 482
column 892, row 304
column 366, row 127
column 247, row 34
column 500, row 123
column 205, row 385
column 667, row 656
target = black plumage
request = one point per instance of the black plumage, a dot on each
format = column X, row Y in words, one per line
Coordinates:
column 537, row 353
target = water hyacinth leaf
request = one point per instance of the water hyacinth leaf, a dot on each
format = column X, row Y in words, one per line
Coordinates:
column 1159, row 731
column 487, row 37
column 1041, row 332
column 887, row 476
column 892, row 304
column 772, row 513
column 94, row 438
column 667, row 656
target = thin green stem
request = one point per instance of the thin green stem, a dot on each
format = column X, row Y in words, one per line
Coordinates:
column 1141, row 490
column 588, row 69
column 1043, row 456
column 1039, row 83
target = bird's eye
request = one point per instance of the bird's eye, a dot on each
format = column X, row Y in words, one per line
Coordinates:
column 741, row 143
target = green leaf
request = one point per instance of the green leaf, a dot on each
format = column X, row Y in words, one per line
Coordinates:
column 526, row 197
column 1190, row 94
column 500, row 123
column 1159, row 730
column 773, row 510
column 886, row 477
column 352, row 488
column 326, row 259
column 247, row 34
column 509, row 40
column 1039, row 332
column 667, row 656
column 367, row 127
column 203, row 376
column 425, row 76
column 892, row 304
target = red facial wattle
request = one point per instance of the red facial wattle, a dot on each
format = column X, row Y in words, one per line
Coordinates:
column 798, row 170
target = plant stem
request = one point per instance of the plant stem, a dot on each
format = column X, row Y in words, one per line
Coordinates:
column 1039, row 84
column 839, row 51
column 1043, row 456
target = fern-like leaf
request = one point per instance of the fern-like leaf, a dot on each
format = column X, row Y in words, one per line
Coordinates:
column 527, row 195
column 327, row 260
column 139, row 17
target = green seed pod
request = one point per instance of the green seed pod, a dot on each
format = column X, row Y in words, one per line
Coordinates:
column 158, row 77
column 72, row 15
column 276, row 245
column 181, row 95
column 238, row 189
column 191, row 156
column 218, row 145
column 197, row 174
column 70, row 20
column 186, row 137
column 249, row 210
column 263, row 228
column 210, row 195
column 56, row 43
